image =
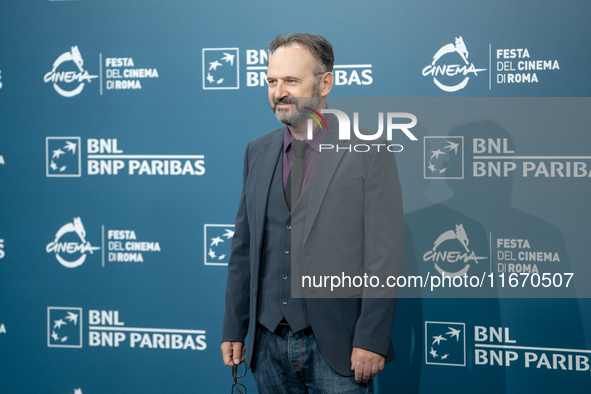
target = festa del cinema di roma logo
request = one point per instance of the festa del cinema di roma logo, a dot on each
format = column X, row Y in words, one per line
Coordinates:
column 438, row 71
column 69, row 78
column 447, row 255
column 71, row 247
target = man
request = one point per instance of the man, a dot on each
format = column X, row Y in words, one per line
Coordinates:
column 299, row 345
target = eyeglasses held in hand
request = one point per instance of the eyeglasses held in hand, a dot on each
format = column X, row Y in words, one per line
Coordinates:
column 238, row 387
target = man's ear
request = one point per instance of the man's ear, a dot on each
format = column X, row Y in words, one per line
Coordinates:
column 326, row 84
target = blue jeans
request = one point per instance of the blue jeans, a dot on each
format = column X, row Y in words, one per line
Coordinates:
column 289, row 362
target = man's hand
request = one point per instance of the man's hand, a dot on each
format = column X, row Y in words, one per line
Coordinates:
column 233, row 353
column 366, row 364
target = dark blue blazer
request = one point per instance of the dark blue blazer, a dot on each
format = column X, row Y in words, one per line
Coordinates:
column 351, row 210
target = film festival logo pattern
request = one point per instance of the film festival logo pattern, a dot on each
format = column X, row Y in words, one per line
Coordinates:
column 63, row 157
column 68, row 75
column 64, row 327
column 445, row 343
column 70, row 245
column 71, row 74
column 443, row 157
column 220, row 68
column 217, row 242
column 449, row 71
column 450, row 253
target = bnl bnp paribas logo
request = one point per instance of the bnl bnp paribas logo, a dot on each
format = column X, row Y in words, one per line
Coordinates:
column 496, row 347
column 445, row 343
column 64, row 327
column 70, row 245
column 450, row 68
column 217, row 242
column 104, row 157
column 105, row 328
column 68, row 75
column 221, row 70
column 443, row 157
column 62, row 157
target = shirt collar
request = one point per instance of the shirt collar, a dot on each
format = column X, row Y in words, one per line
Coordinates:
column 315, row 142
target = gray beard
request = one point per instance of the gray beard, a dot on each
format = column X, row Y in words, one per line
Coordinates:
column 297, row 117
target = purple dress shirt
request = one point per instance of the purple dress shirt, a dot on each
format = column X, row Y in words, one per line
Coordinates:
column 310, row 157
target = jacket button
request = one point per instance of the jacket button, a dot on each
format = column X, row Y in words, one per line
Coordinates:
column 288, row 226
column 286, row 251
column 284, row 277
column 284, row 301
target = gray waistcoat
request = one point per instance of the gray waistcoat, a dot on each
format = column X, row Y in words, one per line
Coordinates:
column 275, row 302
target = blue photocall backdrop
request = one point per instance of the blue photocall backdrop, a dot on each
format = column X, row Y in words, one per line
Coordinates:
column 123, row 126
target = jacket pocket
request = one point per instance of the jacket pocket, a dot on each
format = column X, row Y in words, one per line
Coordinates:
column 342, row 183
column 354, row 292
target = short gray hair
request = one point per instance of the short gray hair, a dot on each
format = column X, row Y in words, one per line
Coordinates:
column 316, row 44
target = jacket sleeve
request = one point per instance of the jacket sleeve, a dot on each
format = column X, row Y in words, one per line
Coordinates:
column 383, row 252
column 236, row 315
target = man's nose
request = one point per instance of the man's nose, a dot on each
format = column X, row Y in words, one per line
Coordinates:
column 280, row 91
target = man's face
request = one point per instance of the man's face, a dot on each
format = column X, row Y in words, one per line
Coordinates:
column 291, row 76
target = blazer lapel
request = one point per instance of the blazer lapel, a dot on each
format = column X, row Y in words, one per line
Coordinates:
column 327, row 165
column 266, row 165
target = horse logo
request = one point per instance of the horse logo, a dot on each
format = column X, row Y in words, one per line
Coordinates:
column 69, row 76
column 451, row 70
column 71, row 247
column 452, row 256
